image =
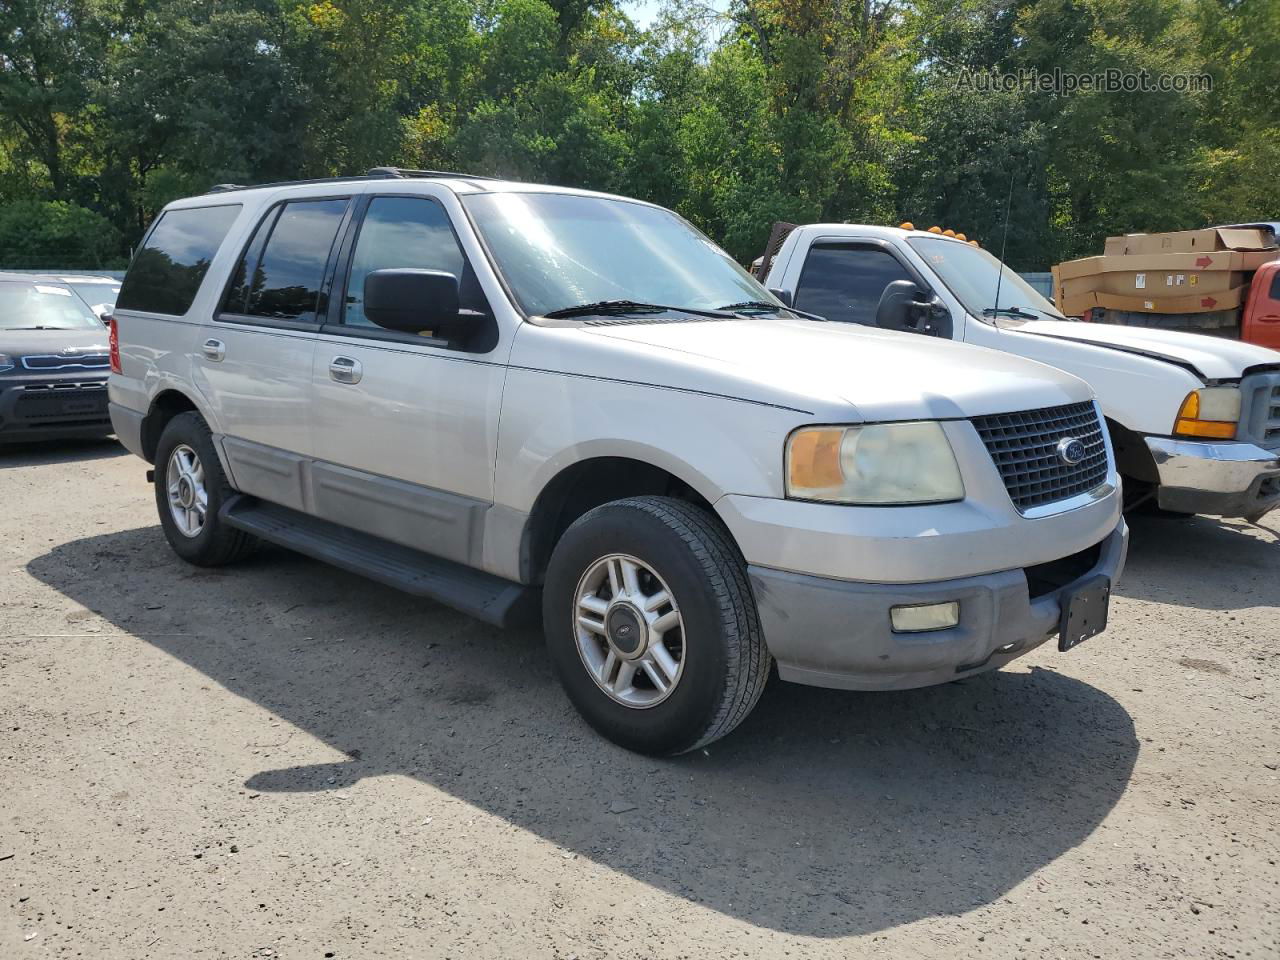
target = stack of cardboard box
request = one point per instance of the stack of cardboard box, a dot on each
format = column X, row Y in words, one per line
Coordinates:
column 1189, row 272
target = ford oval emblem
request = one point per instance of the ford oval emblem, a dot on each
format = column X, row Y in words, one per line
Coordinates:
column 1071, row 450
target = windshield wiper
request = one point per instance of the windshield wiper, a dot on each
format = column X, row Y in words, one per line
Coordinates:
column 628, row 306
column 1018, row 312
column 766, row 305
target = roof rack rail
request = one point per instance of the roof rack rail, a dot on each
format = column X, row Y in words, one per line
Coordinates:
column 401, row 173
column 374, row 173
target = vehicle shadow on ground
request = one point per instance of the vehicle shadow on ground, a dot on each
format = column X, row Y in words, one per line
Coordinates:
column 58, row 451
column 1168, row 558
column 825, row 814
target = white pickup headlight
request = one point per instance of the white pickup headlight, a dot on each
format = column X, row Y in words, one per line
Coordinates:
column 881, row 463
column 6, row 362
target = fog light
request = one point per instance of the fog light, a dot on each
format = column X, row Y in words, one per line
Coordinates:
column 925, row 617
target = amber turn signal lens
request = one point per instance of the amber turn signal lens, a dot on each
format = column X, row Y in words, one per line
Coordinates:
column 1190, row 422
column 814, row 459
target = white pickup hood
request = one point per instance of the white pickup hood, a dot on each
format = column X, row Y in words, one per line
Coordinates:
column 1215, row 358
column 885, row 375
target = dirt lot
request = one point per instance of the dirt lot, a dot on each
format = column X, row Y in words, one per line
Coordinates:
column 282, row 760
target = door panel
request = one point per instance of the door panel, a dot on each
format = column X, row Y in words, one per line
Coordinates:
column 260, row 388
column 1262, row 313
column 404, row 431
column 257, row 354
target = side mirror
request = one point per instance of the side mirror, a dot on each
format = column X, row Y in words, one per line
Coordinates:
column 412, row 301
column 904, row 306
column 783, row 295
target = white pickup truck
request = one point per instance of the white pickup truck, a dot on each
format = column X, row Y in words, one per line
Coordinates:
column 1194, row 420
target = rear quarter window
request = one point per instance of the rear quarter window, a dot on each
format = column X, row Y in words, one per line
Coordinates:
column 167, row 271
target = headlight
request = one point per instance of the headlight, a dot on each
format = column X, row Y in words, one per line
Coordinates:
column 882, row 463
column 1211, row 412
column 6, row 363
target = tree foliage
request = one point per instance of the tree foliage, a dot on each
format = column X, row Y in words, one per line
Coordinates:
column 736, row 116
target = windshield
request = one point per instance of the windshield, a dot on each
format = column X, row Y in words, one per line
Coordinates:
column 97, row 294
column 558, row 250
column 971, row 273
column 43, row 306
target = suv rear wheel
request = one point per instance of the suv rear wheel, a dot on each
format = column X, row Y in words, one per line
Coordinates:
column 190, row 490
column 651, row 625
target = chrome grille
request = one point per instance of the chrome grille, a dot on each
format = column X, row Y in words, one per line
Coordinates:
column 1260, row 409
column 1024, row 446
column 67, row 361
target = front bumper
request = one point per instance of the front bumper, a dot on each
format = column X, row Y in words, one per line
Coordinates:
column 836, row 633
column 51, row 405
column 1221, row 479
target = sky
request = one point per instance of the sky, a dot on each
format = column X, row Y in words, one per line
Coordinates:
column 643, row 11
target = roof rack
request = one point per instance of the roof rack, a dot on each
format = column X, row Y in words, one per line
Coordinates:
column 374, row 173
column 401, row 173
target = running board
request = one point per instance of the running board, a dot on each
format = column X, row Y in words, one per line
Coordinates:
column 474, row 592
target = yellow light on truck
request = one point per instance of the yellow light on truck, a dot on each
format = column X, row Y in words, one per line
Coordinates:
column 813, row 460
column 906, row 225
column 935, row 229
column 961, row 236
column 948, row 233
column 1213, row 412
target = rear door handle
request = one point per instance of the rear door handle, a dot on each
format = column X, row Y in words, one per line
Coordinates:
column 345, row 370
column 215, row 350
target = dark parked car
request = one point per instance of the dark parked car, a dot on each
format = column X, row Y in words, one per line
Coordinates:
column 54, row 362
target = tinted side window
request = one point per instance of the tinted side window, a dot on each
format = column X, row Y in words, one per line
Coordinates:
column 280, row 275
column 405, row 232
column 1275, row 285
column 167, row 271
column 845, row 282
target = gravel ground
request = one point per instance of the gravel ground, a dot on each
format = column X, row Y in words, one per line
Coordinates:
column 282, row 760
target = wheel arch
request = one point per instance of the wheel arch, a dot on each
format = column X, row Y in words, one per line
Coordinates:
column 168, row 403
column 587, row 483
column 1133, row 458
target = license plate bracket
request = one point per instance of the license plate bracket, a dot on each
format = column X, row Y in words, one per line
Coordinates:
column 1084, row 612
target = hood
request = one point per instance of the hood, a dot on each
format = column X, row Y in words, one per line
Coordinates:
column 886, row 375
column 25, row 343
column 1213, row 358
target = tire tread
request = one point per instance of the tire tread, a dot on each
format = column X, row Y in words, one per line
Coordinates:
column 749, row 662
column 226, row 544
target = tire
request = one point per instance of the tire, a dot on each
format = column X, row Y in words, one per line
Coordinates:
column 214, row 543
column 723, row 663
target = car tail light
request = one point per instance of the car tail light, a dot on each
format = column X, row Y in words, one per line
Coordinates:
column 113, row 341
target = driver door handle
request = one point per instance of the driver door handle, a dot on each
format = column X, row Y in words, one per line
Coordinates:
column 345, row 370
column 215, row 350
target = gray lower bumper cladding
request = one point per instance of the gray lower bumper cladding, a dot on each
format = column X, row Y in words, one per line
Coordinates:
column 837, row 633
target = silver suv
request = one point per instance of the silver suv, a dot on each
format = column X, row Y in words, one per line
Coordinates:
column 513, row 398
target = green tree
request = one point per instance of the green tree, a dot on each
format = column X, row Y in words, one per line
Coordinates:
column 53, row 234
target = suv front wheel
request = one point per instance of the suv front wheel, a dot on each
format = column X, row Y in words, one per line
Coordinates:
column 651, row 625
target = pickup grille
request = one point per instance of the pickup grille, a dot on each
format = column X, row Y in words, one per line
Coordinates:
column 1024, row 446
column 1260, row 409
